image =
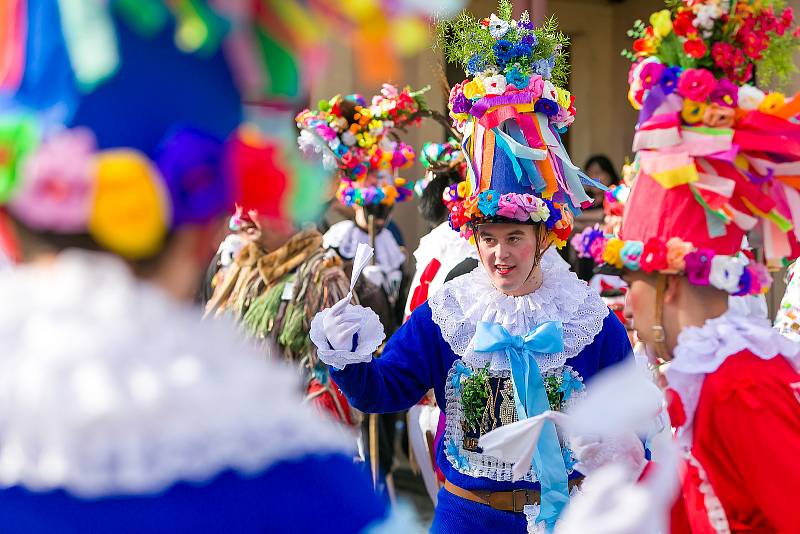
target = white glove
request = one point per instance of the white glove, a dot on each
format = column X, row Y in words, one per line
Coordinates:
column 340, row 324
column 374, row 274
column 593, row 452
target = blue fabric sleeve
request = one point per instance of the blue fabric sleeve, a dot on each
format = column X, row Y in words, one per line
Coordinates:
column 615, row 343
column 299, row 495
column 412, row 362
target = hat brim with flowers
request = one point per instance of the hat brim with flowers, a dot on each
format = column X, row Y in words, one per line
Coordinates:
column 359, row 140
column 717, row 157
column 512, row 114
column 131, row 130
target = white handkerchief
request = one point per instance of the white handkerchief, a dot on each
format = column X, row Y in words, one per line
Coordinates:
column 515, row 443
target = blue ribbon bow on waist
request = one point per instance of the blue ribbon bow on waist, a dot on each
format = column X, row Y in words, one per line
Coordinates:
column 530, row 397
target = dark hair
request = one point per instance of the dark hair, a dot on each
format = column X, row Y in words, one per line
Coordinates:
column 605, row 164
column 431, row 205
column 34, row 242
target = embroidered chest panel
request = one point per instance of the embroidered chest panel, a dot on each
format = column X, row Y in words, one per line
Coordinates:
column 480, row 400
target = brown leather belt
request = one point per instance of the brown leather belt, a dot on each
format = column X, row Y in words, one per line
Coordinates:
column 507, row 501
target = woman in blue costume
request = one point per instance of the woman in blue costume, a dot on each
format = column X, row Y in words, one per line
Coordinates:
column 518, row 335
column 121, row 410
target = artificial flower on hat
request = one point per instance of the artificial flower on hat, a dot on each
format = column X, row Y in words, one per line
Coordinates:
column 352, row 137
column 511, row 112
column 717, row 154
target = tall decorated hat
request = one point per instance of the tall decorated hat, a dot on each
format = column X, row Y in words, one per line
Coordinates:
column 359, row 140
column 122, row 121
column 512, row 111
column 439, row 160
column 718, row 157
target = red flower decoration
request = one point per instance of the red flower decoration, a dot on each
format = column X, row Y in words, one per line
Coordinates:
column 677, row 415
column 695, row 48
column 682, row 25
column 654, row 256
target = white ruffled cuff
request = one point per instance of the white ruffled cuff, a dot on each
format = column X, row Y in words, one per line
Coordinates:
column 370, row 336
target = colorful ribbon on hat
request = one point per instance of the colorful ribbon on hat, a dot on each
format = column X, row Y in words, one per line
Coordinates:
column 530, row 397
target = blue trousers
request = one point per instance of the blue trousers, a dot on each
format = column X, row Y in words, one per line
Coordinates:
column 454, row 515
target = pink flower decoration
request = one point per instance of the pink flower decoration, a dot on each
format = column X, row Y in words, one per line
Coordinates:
column 58, row 185
column 596, row 249
column 389, row 91
column 698, row 266
column 536, row 85
column 513, row 206
column 651, row 74
column 696, row 84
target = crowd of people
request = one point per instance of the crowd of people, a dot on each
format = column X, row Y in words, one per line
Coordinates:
column 569, row 350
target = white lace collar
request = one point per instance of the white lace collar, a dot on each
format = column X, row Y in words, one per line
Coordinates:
column 108, row 387
column 463, row 302
column 702, row 350
column 345, row 237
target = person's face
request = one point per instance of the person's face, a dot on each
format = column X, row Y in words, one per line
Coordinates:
column 640, row 306
column 362, row 218
column 508, row 252
column 596, row 172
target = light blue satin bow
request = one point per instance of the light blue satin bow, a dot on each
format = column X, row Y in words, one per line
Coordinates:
column 530, row 397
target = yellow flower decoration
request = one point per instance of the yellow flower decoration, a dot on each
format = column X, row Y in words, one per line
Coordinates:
column 471, row 206
column 461, row 188
column 611, row 254
column 661, row 22
column 771, row 103
column 563, row 97
column 693, row 111
column 474, row 89
column 131, row 212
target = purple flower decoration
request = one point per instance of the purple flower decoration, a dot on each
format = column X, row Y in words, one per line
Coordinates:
column 588, row 237
column 461, row 104
column 726, row 93
column 546, row 106
column 543, row 68
column 669, row 80
column 190, row 162
column 745, row 283
column 698, row 266
column 529, row 39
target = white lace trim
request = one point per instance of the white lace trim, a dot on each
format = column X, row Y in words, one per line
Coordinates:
column 712, row 504
column 702, row 350
column 345, row 236
column 108, row 387
column 532, row 512
column 370, row 337
column 461, row 303
column 484, row 465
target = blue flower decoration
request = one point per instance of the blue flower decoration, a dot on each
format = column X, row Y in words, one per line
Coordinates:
column 530, row 40
column 461, row 463
column 555, row 214
column 489, row 202
column 515, row 77
column 546, row 106
column 569, row 384
column 476, row 64
column 542, row 68
column 503, row 51
column 458, row 372
column 522, row 50
column 631, row 254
